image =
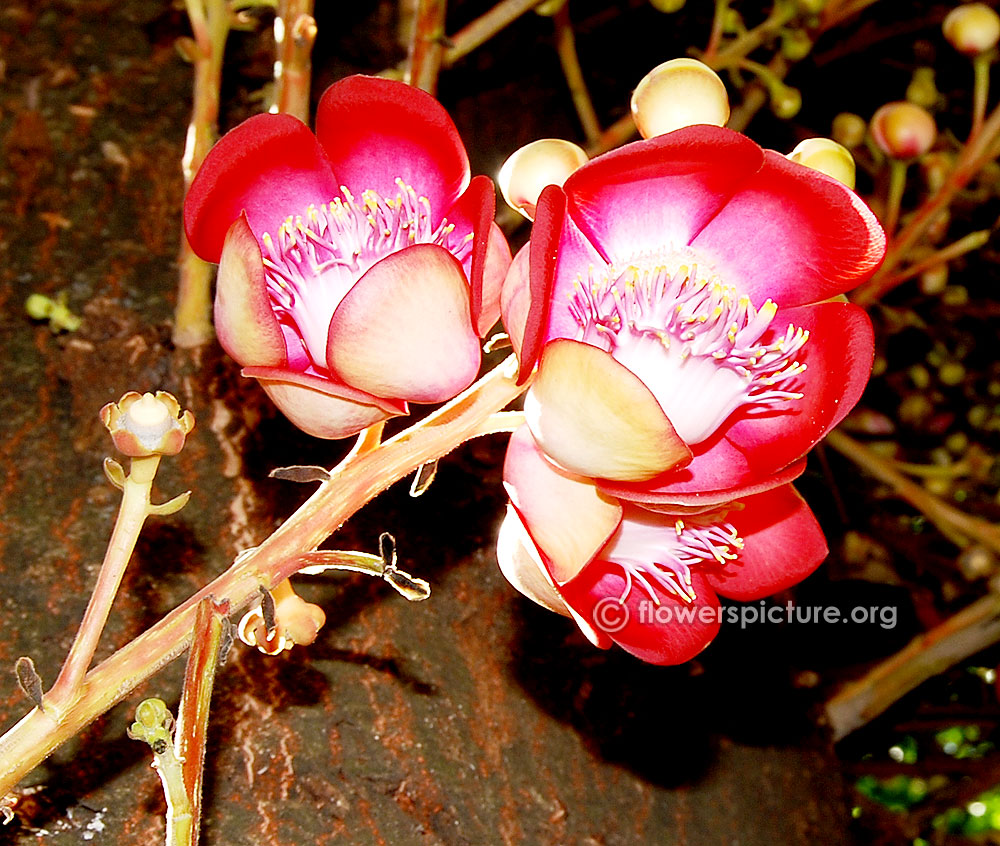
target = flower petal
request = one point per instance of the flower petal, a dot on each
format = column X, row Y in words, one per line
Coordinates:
column 566, row 516
column 270, row 166
column 702, row 485
column 595, row 418
column 376, row 131
column 404, row 329
column 244, row 319
column 794, row 235
column 487, row 264
column 515, row 299
column 655, row 195
column 759, row 448
column 783, row 545
column 522, row 565
column 669, row 633
column 319, row 407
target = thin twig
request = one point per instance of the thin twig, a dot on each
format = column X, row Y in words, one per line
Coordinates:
column 192, row 715
column 949, row 519
column 957, row 638
column 483, row 28
column 294, row 35
column 426, row 48
column 570, row 62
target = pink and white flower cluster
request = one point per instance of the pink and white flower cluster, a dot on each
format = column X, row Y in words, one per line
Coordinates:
column 681, row 300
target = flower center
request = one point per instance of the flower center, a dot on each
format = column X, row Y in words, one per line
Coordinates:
column 695, row 343
column 315, row 259
column 650, row 552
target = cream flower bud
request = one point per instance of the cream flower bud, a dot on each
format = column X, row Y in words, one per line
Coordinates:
column 548, row 161
column 827, row 157
column 903, row 130
column 972, row 29
column 144, row 424
column 679, row 93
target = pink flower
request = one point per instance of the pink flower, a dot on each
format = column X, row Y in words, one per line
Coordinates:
column 358, row 267
column 646, row 580
column 681, row 296
column 681, row 299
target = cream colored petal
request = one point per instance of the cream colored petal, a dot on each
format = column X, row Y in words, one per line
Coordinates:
column 596, row 418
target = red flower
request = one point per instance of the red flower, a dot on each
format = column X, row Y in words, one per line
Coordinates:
column 358, row 267
column 646, row 580
column 679, row 294
column 680, row 297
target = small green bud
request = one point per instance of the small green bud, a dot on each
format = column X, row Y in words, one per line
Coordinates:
column 549, row 8
column 922, row 91
column 849, row 130
column 786, row 101
column 667, row 6
column 795, row 44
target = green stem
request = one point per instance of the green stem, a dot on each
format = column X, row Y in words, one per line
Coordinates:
column 295, row 34
column 350, row 487
column 894, row 198
column 980, row 91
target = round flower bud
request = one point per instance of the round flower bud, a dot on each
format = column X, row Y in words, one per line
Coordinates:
column 679, row 93
column 548, row 161
column 548, row 8
column 849, row 129
column 811, row 7
column 785, row 101
column 667, row 6
column 795, row 44
column 972, row 29
column 903, row 130
column 144, row 424
column 827, row 157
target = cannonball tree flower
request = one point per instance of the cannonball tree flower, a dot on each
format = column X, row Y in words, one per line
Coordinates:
column 681, row 297
column 647, row 580
column 358, row 267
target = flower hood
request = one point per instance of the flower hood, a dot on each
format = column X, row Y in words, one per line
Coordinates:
column 681, row 298
column 358, row 266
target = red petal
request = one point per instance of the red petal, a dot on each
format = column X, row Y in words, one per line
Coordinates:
column 490, row 257
column 794, row 235
column 269, row 166
column 707, row 484
column 669, row 633
column 377, row 130
column 783, row 545
column 515, row 299
column 660, row 193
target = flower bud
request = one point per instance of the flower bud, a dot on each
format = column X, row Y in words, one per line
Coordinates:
column 679, row 93
column 548, row 8
column 903, row 130
column 785, row 101
column 849, row 129
column 827, row 157
column 972, row 29
column 548, row 161
column 667, row 6
column 795, row 44
column 144, row 424
column 922, row 91
column 810, row 7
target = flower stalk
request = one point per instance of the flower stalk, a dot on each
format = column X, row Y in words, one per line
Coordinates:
column 294, row 35
column 210, row 23
column 351, row 485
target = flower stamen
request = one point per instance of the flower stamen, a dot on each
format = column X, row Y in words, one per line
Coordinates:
column 687, row 336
